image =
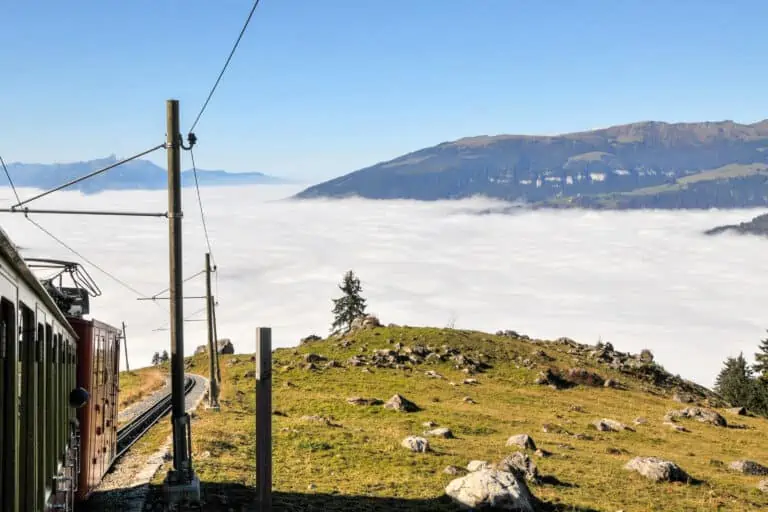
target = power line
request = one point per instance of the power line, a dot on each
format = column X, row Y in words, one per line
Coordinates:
column 200, row 202
column 184, row 281
column 94, row 265
column 8, row 174
column 248, row 20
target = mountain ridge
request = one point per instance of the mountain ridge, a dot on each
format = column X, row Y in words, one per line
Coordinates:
column 134, row 175
column 605, row 168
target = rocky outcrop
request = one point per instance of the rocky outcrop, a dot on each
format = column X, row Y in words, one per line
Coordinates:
column 521, row 465
column 415, row 444
column 523, row 441
column 657, row 470
column 400, row 403
column 443, row 432
column 749, row 467
column 225, row 346
column 699, row 414
column 491, row 489
column 608, row 425
column 757, row 226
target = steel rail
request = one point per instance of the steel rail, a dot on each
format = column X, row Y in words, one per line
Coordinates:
column 135, row 430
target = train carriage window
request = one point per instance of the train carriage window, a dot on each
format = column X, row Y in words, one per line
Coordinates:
column 8, row 416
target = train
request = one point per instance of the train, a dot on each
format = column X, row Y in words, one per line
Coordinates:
column 58, row 386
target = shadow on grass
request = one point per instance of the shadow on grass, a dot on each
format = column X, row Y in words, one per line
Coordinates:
column 230, row 497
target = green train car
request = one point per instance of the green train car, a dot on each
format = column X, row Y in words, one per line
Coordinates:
column 58, row 393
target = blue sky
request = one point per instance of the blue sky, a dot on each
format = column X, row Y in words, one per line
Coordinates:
column 321, row 88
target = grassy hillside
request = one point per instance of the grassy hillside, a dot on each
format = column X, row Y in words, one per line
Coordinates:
column 351, row 459
column 139, row 383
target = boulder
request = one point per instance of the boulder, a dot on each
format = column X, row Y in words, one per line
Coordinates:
column 365, row 322
column 415, row 444
column 477, row 465
column 521, row 465
column 310, row 339
column 202, row 349
column 443, row 432
column 749, row 467
column 433, row 374
column 584, row 377
column 225, row 346
column 491, row 489
column 738, row 411
column 318, row 419
column 313, row 358
column 400, row 403
column 607, row 425
column 640, row 420
column 358, row 400
column 683, row 398
column 646, row 356
column 454, row 470
column 675, row 426
column 699, row 414
column 657, row 470
column 523, row 441
column 763, row 486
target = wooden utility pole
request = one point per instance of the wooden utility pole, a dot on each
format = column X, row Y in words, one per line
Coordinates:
column 125, row 346
column 264, row 418
column 181, row 482
column 213, row 395
column 216, row 341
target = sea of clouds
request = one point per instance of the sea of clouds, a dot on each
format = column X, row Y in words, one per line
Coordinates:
column 639, row 279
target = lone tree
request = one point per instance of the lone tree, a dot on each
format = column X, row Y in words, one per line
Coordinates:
column 761, row 358
column 155, row 359
column 164, row 357
column 735, row 382
column 349, row 306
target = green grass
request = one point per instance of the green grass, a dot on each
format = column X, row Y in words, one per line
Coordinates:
column 137, row 384
column 363, row 457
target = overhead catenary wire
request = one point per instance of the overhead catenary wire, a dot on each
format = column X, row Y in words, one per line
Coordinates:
column 89, row 175
column 183, row 281
column 226, row 63
column 8, row 175
column 202, row 211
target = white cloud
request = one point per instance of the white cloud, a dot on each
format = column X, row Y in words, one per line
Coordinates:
column 638, row 279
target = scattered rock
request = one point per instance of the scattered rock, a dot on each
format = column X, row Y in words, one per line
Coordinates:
column 332, row 364
column 497, row 490
column 310, row 339
column 225, row 346
column 749, row 467
column 523, row 441
column 468, row 399
column 640, row 420
column 443, row 432
column 646, row 356
column 763, row 486
column 250, row 374
column 520, row 464
column 318, row 419
column 683, row 398
column 433, row 374
column 738, row 411
column 699, row 414
column 607, row 425
column 313, row 358
column 310, row 367
column 415, row 444
column 477, row 465
column 357, row 400
column 470, row 381
column 584, row 377
column 365, row 322
column 400, row 403
column 201, row 349
column 549, row 428
column 429, row 424
column 615, row 451
column 542, row 453
column 657, row 470
column 311, row 487
column 675, row 426
column 454, row 470
column 611, row 383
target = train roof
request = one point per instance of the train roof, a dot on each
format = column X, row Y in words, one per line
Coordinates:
column 19, row 267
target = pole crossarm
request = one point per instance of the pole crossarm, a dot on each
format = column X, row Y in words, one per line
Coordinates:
column 90, row 175
column 26, row 211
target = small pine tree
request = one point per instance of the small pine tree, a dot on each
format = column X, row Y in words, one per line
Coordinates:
column 735, row 382
column 349, row 306
column 155, row 359
column 761, row 358
column 164, row 357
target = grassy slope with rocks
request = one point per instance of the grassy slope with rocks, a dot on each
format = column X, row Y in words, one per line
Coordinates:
column 348, row 464
column 138, row 384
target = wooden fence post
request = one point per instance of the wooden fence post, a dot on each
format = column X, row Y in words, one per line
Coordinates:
column 264, row 418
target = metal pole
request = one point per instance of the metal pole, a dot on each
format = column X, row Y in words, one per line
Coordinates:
column 125, row 346
column 264, row 418
column 181, row 473
column 213, row 396
column 216, row 341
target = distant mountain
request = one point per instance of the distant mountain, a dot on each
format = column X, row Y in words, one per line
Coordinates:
column 134, row 175
column 640, row 165
column 756, row 226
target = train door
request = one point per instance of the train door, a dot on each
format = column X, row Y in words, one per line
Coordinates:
column 43, row 438
column 28, row 499
column 9, row 397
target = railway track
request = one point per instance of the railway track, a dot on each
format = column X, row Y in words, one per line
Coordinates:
column 132, row 432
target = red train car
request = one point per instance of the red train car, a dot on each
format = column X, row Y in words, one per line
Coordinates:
column 98, row 350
